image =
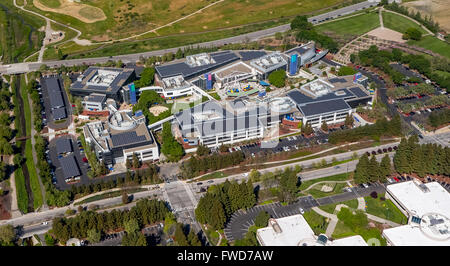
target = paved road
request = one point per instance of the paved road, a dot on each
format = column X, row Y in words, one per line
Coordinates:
column 240, row 221
column 33, row 66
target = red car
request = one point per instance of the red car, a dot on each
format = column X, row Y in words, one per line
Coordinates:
column 73, row 105
column 396, row 179
column 85, row 159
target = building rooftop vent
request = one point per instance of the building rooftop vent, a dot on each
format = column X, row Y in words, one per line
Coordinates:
column 276, row 227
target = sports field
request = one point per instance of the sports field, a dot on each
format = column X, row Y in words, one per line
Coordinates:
column 399, row 23
column 356, row 25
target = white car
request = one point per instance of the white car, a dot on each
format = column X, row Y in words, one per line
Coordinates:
column 245, row 174
column 301, row 211
column 45, row 223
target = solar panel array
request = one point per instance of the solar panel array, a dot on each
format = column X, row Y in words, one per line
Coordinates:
column 358, row 92
column 54, row 92
column 59, row 113
column 336, row 80
column 69, row 166
column 126, row 138
column 188, row 72
column 316, row 108
column 63, row 145
column 250, row 55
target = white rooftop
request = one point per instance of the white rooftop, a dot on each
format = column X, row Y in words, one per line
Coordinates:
column 429, row 204
column 295, row 231
column 350, row 241
column 419, row 199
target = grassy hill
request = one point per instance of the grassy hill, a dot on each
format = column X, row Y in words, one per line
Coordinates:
column 129, row 17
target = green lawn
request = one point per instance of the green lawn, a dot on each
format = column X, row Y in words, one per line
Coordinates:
column 110, row 195
column 433, row 44
column 317, row 222
column 367, row 233
column 399, row 23
column 352, row 204
column 339, row 177
column 384, row 209
column 357, row 25
column 21, row 193
column 317, row 193
column 212, row 176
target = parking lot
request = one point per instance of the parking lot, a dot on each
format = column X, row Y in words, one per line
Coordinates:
column 282, row 145
column 78, row 153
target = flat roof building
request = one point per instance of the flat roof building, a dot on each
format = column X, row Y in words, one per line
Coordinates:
column 212, row 124
column 102, row 80
column 428, row 209
column 121, row 136
column 63, row 145
column 69, row 166
column 329, row 100
column 94, row 102
column 295, row 231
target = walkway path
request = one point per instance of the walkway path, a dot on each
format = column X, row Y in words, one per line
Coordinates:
column 35, row 159
column 381, row 17
column 333, row 220
column 381, row 220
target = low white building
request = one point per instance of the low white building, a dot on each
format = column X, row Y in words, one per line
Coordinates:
column 295, row 231
column 428, row 209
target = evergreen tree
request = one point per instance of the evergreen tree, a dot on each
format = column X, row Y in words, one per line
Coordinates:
column 374, row 170
column 361, row 174
column 180, row 236
column 324, row 126
column 385, row 168
column 193, row 239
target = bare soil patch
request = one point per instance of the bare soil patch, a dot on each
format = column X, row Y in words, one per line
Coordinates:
column 83, row 12
column 438, row 9
column 387, row 34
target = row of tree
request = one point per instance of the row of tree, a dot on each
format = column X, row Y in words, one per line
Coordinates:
column 411, row 157
column 306, row 32
column 92, row 225
column 427, row 21
column 436, row 119
column 371, row 171
column 222, row 200
column 197, row 165
column 381, row 128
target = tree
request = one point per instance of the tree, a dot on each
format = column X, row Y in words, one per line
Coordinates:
column 18, row 159
column 131, row 226
column 301, row 23
column 374, row 172
column 136, row 239
column 180, row 236
column 307, row 129
column 93, row 235
column 128, row 164
column 262, row 219
column 254, row 175
column 136, row 162
column 193, row 239
column 147, row 78
column 202, row 150
column 413, row 34
column 223, row 148
column 278, row 78
column 349, row 120
column 324, row 126
column 125, row 198
column 361, row 174
column 278, row 36
column 7, row 235
column 5, row 147
column 385, row 168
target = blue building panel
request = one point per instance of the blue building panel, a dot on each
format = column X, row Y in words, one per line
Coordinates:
column 132, row 93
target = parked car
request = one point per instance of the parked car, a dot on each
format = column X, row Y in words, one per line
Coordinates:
column 301, row 211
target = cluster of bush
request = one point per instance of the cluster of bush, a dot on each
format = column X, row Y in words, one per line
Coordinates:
column 93, row 225
column 306, row 32
column 381, row 128
column 196, row 165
